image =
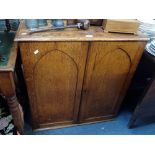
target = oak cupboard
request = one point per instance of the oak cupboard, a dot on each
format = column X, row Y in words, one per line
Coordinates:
column 74, row 78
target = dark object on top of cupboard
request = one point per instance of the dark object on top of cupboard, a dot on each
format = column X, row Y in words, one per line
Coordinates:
column 96, row 22
column 93, row 22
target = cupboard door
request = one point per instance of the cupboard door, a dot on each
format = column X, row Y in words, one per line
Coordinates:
column 110, row 66
column 54, row 75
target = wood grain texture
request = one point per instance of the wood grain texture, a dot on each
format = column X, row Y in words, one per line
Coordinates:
column 73, row 34
column 54, row 78
column 7, row 86
column 135, row 62
column 108, row 66
column 121, row 25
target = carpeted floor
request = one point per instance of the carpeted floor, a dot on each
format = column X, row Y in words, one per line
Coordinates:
column 116, row 127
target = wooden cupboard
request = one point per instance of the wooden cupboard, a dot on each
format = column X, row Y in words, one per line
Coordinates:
column 74, row 78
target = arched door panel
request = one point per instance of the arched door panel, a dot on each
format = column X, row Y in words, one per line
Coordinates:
column 107, row 69
column 54, row 73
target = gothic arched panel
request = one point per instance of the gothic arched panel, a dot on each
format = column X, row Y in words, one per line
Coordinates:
column 55, row 85
column 104, row 80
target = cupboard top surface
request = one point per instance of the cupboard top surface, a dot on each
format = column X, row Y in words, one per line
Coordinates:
column 73, row 34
